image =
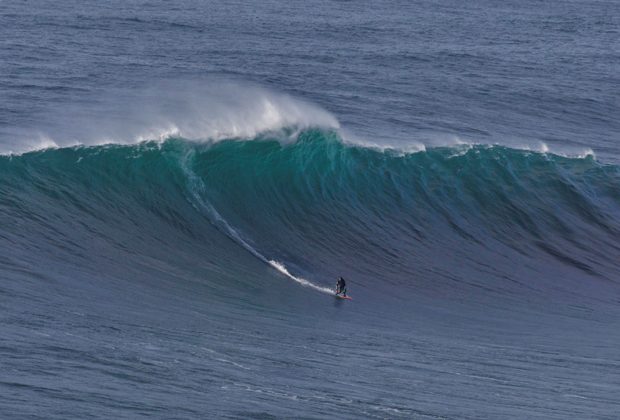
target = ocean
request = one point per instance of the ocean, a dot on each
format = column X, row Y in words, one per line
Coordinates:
column 182, row 183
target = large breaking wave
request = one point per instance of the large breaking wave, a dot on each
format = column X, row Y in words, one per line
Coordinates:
column 486, row 218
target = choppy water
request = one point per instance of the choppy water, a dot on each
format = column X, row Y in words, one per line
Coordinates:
column 180, row 186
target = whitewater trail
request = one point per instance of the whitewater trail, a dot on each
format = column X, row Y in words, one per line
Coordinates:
column 196, row 186
column 282, row 269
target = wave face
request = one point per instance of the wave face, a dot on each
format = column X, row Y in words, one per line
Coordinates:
column 493, row 220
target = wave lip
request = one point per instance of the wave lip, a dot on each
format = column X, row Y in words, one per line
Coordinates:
column 194, row 110
column 233, row 111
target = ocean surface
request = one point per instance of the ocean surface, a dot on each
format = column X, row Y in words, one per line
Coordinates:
column 181, row 184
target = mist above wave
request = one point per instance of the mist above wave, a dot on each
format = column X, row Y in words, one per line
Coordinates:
column 194, row 110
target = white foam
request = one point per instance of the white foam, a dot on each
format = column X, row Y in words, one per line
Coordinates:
column 195, row 110
column 564, row 151
column 394, row 149
column 281, row 268
column 38, row 142
column 425, row 140
column 44, row 143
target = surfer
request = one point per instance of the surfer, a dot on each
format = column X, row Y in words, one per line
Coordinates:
column 341, row 287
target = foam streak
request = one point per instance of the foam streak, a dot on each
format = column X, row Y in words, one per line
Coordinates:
column 196, row 186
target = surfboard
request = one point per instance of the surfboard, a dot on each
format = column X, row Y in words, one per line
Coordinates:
column 344, row 297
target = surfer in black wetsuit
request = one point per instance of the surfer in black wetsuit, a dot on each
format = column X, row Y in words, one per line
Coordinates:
column 341, row 287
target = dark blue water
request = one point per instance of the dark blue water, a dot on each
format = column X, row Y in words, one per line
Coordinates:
column 181, row 185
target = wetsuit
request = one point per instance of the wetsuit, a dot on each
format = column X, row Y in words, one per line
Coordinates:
column 341, row 287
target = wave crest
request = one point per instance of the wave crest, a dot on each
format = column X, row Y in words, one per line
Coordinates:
column 199, row 111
